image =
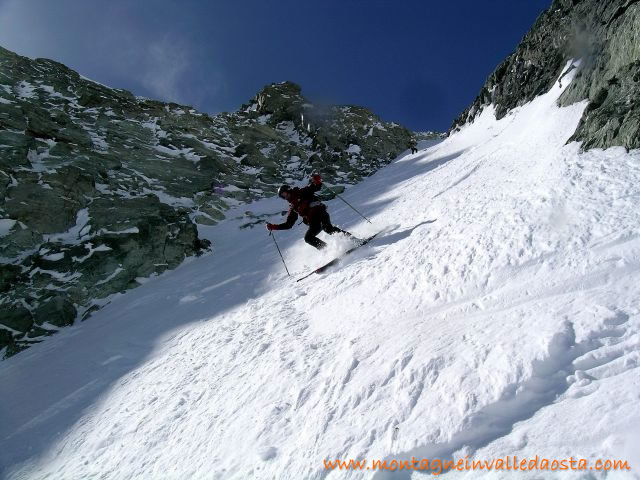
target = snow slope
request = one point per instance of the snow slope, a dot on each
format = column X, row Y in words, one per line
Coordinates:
column 499, row 315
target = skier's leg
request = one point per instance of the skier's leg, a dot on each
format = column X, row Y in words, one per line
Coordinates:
column 328, row 227
column 311, row 237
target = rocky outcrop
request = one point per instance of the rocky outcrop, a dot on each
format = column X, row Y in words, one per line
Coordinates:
column 605, row 37
column 100, row 189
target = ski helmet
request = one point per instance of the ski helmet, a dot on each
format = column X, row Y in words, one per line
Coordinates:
column 282, row 189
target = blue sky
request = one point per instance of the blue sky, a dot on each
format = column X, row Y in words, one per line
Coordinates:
column 419, row 63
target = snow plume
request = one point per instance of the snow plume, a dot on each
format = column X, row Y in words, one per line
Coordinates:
column 320, row 113
column 165, row 64
column 581, row 43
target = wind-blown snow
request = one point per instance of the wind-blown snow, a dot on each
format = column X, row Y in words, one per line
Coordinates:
column 497, row 316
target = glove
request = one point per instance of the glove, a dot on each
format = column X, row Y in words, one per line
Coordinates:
column 316, row 179
column 271, row 226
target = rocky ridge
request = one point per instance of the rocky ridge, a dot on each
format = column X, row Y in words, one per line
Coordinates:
column 603, row 40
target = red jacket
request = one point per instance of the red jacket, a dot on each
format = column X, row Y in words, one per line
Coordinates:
column 302, row 202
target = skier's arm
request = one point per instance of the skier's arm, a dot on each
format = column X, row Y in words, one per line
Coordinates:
column 314, row 186
column 290, row 222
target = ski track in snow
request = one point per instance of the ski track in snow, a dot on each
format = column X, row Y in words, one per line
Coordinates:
column 498, row 315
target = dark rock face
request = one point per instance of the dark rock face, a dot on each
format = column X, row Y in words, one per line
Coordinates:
column 605, row 36
column 57, row 310
column 99, row 188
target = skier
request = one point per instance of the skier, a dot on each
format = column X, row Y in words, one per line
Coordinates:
column 314, row 213
column 413, row 146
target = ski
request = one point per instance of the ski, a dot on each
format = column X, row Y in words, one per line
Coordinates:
column 337, row 259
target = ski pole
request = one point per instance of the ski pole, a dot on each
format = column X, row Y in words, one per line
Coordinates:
column 283, row 262
column 352, row 207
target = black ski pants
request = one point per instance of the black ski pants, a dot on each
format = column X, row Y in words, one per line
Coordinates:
column 319, row 220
